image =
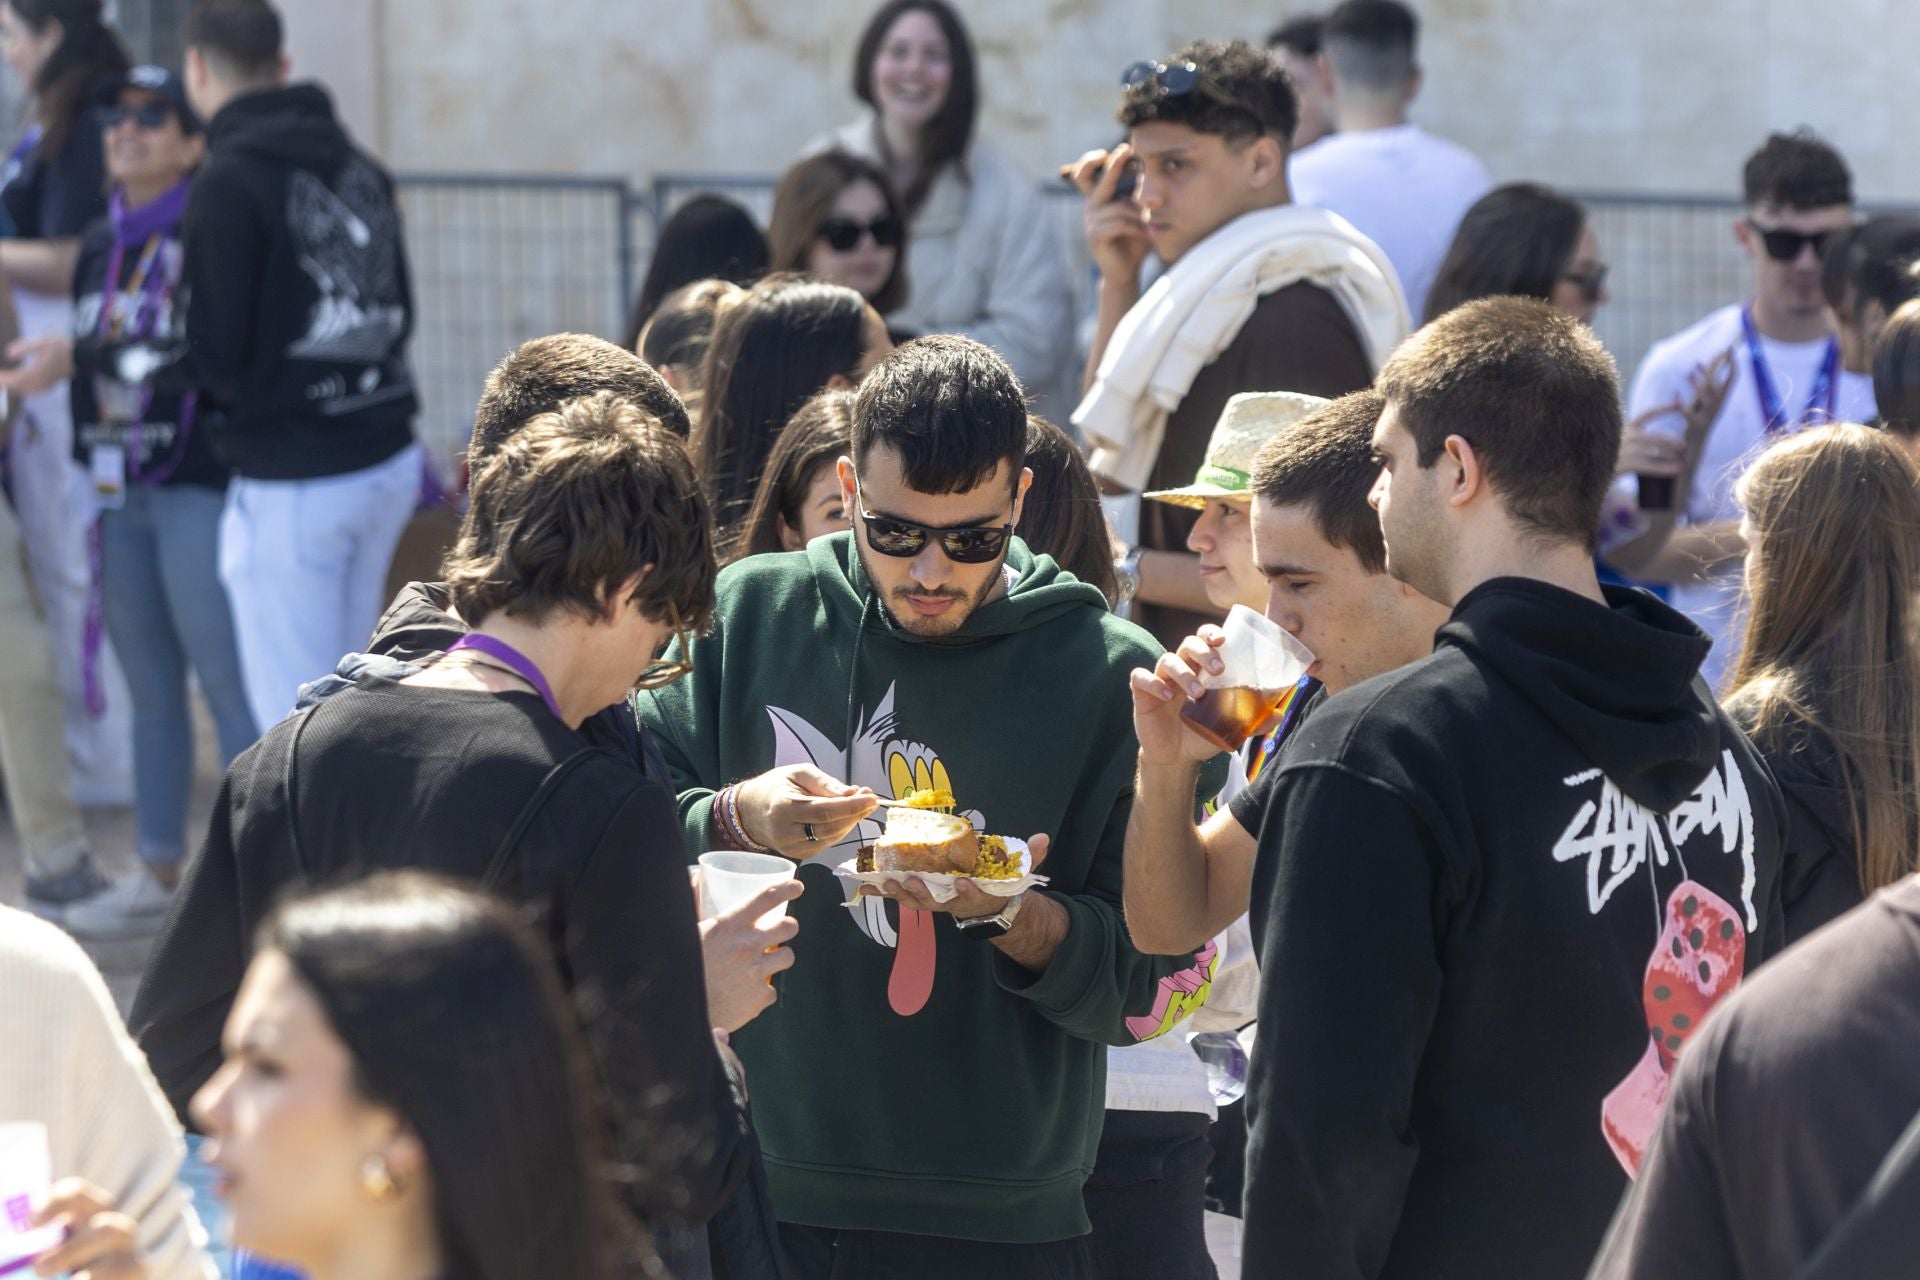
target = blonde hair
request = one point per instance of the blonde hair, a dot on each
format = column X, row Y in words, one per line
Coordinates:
column 1832, row 574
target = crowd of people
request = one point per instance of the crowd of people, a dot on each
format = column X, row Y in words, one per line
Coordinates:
column 1454, row 950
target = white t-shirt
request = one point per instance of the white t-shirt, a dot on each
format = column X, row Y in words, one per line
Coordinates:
column 1738, row 435
column 1405, row 189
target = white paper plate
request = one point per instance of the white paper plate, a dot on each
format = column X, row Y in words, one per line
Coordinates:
column 941, row 885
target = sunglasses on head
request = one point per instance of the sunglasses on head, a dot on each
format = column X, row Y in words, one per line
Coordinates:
column 1785, row 246
column 1176, row 79
column 844, row 233
column 1589, row 283
column 662, row 672
column 148, row 115
column 903, row 539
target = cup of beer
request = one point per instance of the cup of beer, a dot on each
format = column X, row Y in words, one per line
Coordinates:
column 1262, row 661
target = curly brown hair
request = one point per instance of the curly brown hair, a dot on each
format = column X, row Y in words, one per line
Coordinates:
column 577, row 502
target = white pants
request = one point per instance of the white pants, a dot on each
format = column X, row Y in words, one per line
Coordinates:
column 305, row 566
column 54, row 500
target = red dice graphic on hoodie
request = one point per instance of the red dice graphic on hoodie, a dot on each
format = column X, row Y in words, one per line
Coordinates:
column 1698, row 959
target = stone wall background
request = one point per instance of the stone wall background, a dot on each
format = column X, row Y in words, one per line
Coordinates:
column 1627, row 95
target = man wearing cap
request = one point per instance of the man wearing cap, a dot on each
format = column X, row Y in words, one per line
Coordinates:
column 1159, row 1103
column 158, row 486
column 1258, row 295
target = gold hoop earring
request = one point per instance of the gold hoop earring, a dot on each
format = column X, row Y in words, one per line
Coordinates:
column 377, row 1180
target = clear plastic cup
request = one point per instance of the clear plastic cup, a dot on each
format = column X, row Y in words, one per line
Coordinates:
column 1262, row 661
column 730, row 877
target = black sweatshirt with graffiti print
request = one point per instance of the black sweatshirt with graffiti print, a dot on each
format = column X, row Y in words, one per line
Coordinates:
column 1509, row 880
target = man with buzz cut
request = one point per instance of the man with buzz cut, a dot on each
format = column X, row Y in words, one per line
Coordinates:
column 1258, row 295
column 1505, row 882
column 1404, row 188
column 928, row 1090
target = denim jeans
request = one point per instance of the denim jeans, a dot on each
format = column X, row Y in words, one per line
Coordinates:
column 165, row 610
column 305, row 564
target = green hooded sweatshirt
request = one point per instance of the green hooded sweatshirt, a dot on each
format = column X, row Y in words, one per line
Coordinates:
column 909, row 1079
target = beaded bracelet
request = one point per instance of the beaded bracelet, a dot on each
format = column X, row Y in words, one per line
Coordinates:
column 732, row 795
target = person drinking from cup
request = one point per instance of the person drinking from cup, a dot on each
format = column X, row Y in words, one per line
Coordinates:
column 1506, row 880
column 586, row 547
column 903, row 656
column 1160, row 1105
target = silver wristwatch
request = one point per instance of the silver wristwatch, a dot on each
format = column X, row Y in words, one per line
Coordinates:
column 1126, row 572
column 994, row 926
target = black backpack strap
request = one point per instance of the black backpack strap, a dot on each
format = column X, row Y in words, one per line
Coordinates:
column 497, row 867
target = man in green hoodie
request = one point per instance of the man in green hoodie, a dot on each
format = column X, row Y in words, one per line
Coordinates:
column 929, row 1091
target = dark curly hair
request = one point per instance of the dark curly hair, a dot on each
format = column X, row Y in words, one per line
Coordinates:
column 1250, row 95
column 1797, row 171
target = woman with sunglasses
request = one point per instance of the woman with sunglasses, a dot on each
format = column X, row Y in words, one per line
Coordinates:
column 1527, row 240
column 836, row 218
column 587, row 547
column 156, row 480
column 52, row 186
column 983, row 262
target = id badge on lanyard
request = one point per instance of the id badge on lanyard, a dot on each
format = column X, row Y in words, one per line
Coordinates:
column 108, row 471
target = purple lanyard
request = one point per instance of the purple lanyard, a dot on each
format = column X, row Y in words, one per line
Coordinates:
column 518, row 662
column 1820, row 404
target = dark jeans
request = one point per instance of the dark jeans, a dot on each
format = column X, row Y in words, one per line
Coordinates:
column 821, row 1253
column 1148, row 1197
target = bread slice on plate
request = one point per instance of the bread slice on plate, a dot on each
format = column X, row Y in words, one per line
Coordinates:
column 926, row 841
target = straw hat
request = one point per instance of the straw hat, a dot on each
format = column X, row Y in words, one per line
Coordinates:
column 1250, row 420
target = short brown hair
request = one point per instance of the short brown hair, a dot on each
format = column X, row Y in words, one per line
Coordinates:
column 243, row 36
column 803, row 202
column 542, row 374
column 579, row 500
column 1324, row 462
column 1535, row 394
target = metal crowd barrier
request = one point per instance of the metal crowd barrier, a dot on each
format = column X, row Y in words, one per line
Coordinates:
column 501, row 258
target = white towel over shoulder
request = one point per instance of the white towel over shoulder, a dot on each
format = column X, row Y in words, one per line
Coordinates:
column 1194, row 312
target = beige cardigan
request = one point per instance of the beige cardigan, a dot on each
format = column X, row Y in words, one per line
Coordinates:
column 67, row 1061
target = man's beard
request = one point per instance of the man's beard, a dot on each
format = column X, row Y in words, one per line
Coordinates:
column 947, row 623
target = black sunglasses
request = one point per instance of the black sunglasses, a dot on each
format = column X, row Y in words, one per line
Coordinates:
column 903, row 539
column 1176, row 79
column 1785, row 246
column 148, row 115
column 1589, row 283
column 844, row 233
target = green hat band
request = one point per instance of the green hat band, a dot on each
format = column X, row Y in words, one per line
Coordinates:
column 1225, row 478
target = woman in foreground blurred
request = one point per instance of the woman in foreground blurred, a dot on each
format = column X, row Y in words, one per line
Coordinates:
column 404, row 1096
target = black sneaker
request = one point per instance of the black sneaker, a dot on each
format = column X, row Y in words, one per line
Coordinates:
column 49, row 896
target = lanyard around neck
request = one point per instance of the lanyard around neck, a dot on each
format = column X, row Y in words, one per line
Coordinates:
column 519, row 663
column 1773, row 413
